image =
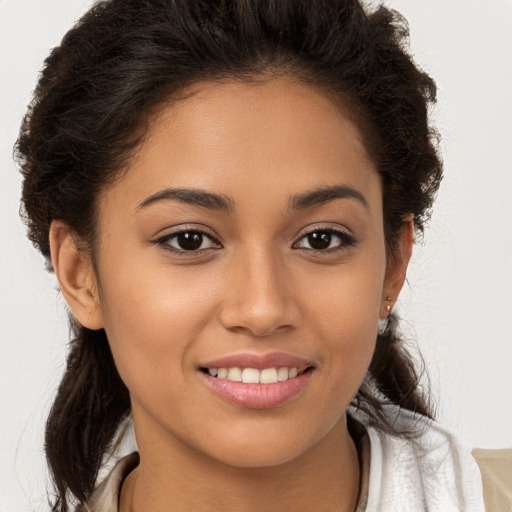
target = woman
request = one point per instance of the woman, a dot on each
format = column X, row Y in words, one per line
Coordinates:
column 228, row 192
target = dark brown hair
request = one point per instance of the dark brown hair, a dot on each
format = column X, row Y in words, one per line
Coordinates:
column 123, row 60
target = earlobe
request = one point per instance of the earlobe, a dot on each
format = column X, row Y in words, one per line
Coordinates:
column 397, row 267
column 75, row 273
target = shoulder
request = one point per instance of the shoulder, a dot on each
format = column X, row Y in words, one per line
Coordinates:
column 427, row 469
column 105, row 497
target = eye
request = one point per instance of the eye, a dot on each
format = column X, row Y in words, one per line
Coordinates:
column 326, row 240
column 188, row 241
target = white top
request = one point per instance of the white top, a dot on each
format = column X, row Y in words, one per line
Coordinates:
column 430, row 472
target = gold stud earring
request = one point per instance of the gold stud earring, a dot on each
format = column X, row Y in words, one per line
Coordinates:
column 384, row 322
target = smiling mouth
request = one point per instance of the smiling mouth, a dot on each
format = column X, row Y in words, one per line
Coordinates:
column 270, row 375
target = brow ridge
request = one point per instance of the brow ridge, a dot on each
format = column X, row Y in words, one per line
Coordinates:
column 323, row 195
column 213, row 201
column 196, row 197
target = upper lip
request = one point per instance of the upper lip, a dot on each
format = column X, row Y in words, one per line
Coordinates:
column 259, row 361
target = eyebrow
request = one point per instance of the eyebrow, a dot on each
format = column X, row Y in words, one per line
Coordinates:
column 222, row 202
column 324, row 195
column 194, row 197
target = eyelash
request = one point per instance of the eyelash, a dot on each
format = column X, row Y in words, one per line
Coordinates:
column 346, row 240
column 165, row 240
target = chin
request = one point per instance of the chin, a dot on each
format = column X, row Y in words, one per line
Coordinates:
column 251, row 456
column 267, row 446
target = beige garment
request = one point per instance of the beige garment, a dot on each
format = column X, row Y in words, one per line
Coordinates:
column 496, row 469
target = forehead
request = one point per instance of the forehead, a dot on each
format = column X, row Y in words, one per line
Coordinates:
column 275, row 138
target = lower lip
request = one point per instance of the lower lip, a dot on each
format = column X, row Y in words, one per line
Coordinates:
column 257, row 396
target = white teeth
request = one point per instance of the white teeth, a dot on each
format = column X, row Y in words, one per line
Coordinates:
column 282, row 374
column 253, row 375
column 268, row 376
column 235, row 375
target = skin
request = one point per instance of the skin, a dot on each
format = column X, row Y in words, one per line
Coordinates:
column 256, row 286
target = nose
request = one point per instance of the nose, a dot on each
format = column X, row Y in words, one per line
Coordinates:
column 260, row 298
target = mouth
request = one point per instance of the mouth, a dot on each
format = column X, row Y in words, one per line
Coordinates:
column 270, row 375
column 255, row 381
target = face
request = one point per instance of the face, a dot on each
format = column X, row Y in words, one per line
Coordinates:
column 245, row 241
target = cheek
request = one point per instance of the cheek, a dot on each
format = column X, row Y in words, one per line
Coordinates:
column 350, row 337
column 151, row 319
column 344, row 314
column 349, row 357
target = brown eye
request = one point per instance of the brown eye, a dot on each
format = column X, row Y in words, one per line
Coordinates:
column 189, row 241
column 326, row 240
column 319, row 240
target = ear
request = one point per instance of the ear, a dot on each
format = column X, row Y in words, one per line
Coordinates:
column 397, row 267
column 75, row 273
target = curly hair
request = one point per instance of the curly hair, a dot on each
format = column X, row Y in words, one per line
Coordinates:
column 90, row 110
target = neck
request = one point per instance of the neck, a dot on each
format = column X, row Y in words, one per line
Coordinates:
column 179, row 478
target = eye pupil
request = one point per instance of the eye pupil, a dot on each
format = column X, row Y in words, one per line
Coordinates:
column 319, row 240
column 190, row 241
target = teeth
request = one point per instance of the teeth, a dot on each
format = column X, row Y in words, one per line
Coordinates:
column 282, row 374
column 268, row 376
column 253, row 375
column 235, row 375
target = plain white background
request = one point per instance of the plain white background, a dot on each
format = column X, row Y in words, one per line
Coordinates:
column 457, row 304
